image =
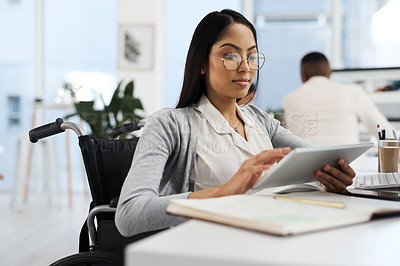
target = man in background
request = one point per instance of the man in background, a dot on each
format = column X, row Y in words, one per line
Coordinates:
column 327, row 113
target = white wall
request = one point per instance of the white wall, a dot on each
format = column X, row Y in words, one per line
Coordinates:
column 149, row 84
column 160, row 86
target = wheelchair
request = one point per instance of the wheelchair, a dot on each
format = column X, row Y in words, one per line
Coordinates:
column 107, row 162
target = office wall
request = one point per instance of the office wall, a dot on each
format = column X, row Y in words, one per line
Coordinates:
column 174, row 22
column 149, row 83
column 178, row 37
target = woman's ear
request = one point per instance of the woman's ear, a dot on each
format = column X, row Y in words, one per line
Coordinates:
column 203, row 70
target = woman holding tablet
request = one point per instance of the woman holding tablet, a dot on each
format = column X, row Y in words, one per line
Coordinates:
column 208, row 146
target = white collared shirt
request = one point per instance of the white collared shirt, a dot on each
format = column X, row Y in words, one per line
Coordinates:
column 327, row 113
column 221, row 150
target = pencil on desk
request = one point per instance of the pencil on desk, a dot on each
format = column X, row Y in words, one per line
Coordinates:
column 338, row 205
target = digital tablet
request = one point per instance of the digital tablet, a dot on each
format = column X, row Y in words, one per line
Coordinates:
column 301, row 163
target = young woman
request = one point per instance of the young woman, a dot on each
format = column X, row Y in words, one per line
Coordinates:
column 208, row 146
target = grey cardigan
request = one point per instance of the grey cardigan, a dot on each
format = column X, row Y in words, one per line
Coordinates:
column 162, row 163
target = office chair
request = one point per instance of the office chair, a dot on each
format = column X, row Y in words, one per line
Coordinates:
column 107, row 163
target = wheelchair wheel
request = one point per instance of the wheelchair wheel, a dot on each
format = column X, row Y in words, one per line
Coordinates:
column 95, row 258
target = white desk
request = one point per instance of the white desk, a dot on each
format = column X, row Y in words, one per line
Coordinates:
column 203, row 243
column 198, row 243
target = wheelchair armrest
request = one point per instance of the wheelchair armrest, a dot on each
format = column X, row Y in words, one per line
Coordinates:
column 114, row 202
column 91, row 224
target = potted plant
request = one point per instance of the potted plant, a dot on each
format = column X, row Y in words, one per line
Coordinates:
column 278, row 114
column 122, row 109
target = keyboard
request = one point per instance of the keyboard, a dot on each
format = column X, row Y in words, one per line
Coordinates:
column 381, row 180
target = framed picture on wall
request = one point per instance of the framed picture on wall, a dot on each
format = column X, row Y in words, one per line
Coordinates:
column 136, row 46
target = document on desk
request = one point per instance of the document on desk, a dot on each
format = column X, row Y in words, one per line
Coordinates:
column 292, row 214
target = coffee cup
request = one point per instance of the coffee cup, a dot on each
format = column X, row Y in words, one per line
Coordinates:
column 388, row 155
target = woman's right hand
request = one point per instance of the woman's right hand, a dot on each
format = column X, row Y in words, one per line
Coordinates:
column 247, row 175
column 251, row 170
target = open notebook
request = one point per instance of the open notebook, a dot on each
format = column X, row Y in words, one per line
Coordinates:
column 273, row 214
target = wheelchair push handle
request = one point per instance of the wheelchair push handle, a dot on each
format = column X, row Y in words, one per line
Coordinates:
column 46, row 130
column 54, row 128
column 127, row 127
column 60, row 126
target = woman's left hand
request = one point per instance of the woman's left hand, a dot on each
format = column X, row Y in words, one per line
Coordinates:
column 336, row 179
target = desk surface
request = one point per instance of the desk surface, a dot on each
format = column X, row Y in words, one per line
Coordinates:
column 198, row 243
column 203, row 243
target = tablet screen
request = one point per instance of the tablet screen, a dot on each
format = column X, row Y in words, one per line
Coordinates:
column 300, row 164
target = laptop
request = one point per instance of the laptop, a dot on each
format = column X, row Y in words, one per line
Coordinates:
column 384, row 186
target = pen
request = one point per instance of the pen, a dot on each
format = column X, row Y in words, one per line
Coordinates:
column 383, row 134
column 394, row 134
column 338, row 205
column 379, row 132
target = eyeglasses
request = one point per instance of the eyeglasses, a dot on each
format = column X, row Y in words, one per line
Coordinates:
column 232, row 61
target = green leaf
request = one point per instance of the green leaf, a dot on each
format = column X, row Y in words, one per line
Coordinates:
column 114, row 106
column 129, row 88
column 129, row 104
column 84, row 106
column 115, row 96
